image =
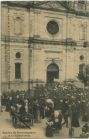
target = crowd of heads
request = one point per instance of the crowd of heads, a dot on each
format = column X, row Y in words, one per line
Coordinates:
column 44, row 99
column 58, row 93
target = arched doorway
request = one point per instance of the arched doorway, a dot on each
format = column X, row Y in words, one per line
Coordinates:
column 52, row 72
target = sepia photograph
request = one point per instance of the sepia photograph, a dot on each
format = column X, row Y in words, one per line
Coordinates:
column 44, row 69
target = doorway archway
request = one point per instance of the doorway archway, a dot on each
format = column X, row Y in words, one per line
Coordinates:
column 52, row 72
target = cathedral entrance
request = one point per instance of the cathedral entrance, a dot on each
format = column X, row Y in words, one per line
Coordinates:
column 52, row 72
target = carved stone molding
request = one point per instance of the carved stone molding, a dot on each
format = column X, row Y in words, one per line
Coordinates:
column 57, row 61
column 58, row 6
column 14, row 39
column 53, row 42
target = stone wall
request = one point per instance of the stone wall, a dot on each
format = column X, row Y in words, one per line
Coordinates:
column 35, row 57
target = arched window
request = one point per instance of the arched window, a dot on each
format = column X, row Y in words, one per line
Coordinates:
column 17, row 70
column 18, row 55
column 81, row 57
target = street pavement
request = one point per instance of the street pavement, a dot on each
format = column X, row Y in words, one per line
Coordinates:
column 36, row 131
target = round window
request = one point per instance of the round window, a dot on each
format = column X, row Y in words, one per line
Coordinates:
column 81, row 57
column 52, row 27
column 18, row 55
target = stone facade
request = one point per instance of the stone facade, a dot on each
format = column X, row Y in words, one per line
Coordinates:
column 24, row 30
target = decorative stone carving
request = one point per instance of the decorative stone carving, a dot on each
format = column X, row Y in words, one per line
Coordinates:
column 57, row 61
column 53, row 5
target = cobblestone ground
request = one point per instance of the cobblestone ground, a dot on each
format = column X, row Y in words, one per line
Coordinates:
column 37, row 130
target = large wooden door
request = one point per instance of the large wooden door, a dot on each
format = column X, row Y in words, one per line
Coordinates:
column 52, row 73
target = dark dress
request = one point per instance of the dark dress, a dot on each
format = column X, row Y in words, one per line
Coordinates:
column 58, row 125
column 75, row 116
column 75, row 120
column 49, row 131
column 48, row 111
column 85, row 117
column 22, row 110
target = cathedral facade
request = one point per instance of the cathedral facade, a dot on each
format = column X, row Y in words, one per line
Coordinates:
column 43, row 41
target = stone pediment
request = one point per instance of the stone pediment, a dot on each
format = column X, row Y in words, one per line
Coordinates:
column 51, row 5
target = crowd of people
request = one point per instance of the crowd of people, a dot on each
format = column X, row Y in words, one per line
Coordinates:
column 56, row 102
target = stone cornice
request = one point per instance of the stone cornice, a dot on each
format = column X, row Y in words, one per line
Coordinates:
column 66, row 42
column 14, row 39
column 35, row 40
column 77, row 13
column 29, row 5
column 52, row 42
